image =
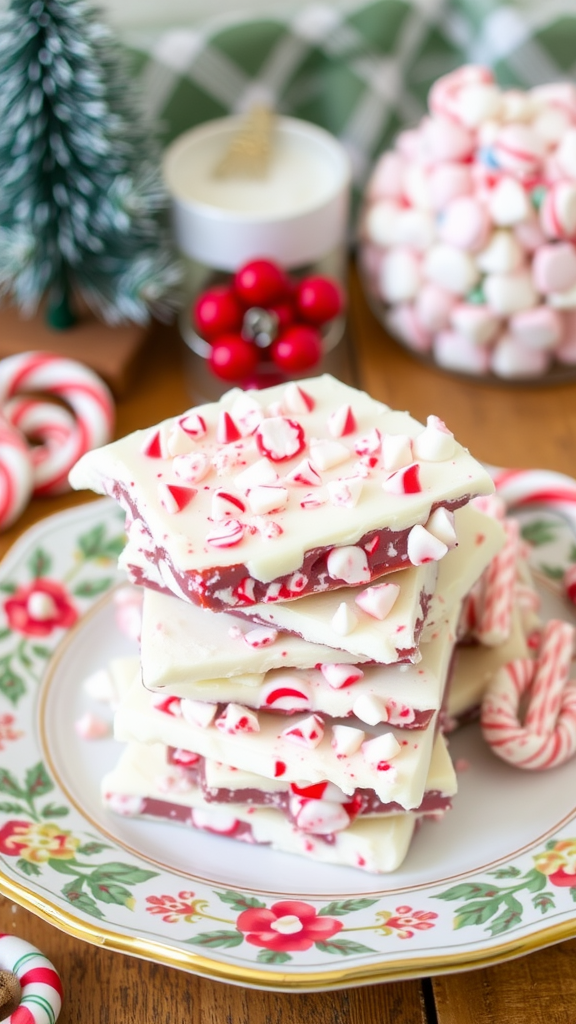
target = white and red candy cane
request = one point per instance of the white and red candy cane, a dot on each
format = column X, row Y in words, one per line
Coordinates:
column 530, row 488
column 494, row 616
column 16, row 474
column 80, row 388
column 547, row 737
column 41, row 998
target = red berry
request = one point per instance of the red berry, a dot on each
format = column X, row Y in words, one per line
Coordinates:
column 285, row 313
column 298, row 348
column 217, row 311
column 319, row 299
column 261, row 283
column 232, row 358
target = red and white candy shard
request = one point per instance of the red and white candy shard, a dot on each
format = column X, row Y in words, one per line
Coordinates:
column 346, row 740
column 370, row 709
column 268, row 529
column 193, row 467
column 341, row 422
column 436, row 443
column 441, row 525
column 345, row 493
column 423, row 547
column 261, row 472
column 174, row 498
column 313, row 500
column 327, row 454
column 285, row 693
column 235, row 718
column 370, row 444
column 396, row 451
column 319, row 817
column 260, row 636
column 152, row 445
column 296, row 400
column 267, row 498
column 226, row 459
column 381, row 749
column 226, row 430
column 167, row 705
column 404, row 481
column 222, row 823
column 227, row 535
column 309, row 732
column 198, row 712
column 338, row 676
column 305, row 474
column 349, row 564
column 192, row 424
column 91, row 727
column 344, row 621
column 279, row 438
column 226, row 505
column 379, row 600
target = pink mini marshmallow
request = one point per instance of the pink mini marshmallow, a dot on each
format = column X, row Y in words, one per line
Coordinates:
column 476, row 323
column 237, row 719
column 445, row 140
column 566, row 154
column 409, row 143
column 512, row 360
column 400, row 276
column 396, row 451
column 346, row 740
column 414, row 228
column 339, row 676
column 551, row 125
column 403, row 322
column 554, row 267
column 529, row 234
column 555, row 95
column 465, row 224
column 91, row 727
column 387, row 177
column 433, row 308
column 349, row 564
column 423, row 547
column 308, row 732
column 378, row 601
column 417, row 187
column 449, row 181
column 445, row 96
column 539, row 328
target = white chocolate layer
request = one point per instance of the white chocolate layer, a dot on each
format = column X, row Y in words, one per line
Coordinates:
column 400, row 774
column 184, row 535
column 375, row 844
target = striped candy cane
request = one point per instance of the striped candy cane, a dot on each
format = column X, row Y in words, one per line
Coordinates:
column 41, row 998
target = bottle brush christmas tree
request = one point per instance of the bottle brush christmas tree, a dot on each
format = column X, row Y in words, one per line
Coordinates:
column 81, row 199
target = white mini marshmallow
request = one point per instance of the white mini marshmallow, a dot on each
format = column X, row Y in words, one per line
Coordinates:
column 433, row 307
column 455, row 351
column 509, row 293
column 396, row 451
column 502, row 255
column 381, row 749
column 403, row 321
column 414, row 228
column 346, row 740
column 566, row 154
column 563, row 300
column 465, row 224
column 348, row 563
column 540, row 328
column 435, row 443
column 380, row 223
column 511, row 360
column 344, row 621
column 477, row 323
column 370, row 709
column 450, row 268
column 508, row 203
column 423, row 547
column 400, row 275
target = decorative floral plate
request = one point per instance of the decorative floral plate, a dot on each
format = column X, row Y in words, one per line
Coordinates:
column 495, row 879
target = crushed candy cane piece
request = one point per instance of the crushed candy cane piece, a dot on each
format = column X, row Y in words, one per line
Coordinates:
column 338, row 676
column 198, row 712
column 341, row 422
column 309, row 732
column 396, row 451
column 235, row 718
column 344, row 621
column 279, row 438
column 226, row 505
column 370, row 709
column 423, row 547
column 260, row 636
column 345, row 493
column 267, row 498
column 436, row 443
column 174, row 497
column 304, row 474
column 228, row 534
column 327, row 454
column 379, row 600
column 259, row 473
column 404, row 481
column 285, row 693
column 349, row 564
column 192, row 467
column 381, row 749
column 91, row 727
column 346, row 740
column 226, row 430
column 296, row 400
column 441, row 526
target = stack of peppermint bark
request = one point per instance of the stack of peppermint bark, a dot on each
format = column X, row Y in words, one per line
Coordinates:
column 305, row 553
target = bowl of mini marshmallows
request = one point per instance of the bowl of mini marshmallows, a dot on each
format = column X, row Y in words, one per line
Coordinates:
column 467, row 235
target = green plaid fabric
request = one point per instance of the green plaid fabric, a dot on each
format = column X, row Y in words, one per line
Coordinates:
column 362, row 73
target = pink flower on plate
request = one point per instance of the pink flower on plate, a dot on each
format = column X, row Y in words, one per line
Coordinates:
column 559, row 863
column 40, row 607
column 176, row 908
column 406, row 921
column 289, row 926
column 7, row 731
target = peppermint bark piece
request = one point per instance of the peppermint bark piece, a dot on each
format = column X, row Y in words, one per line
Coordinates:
column 254, row 499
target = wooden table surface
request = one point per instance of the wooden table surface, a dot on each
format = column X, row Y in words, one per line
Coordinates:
column 508, row 426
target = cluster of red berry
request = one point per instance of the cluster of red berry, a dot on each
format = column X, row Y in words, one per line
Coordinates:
column 262, row 313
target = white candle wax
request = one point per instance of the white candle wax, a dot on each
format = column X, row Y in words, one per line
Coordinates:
column 296, row 213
